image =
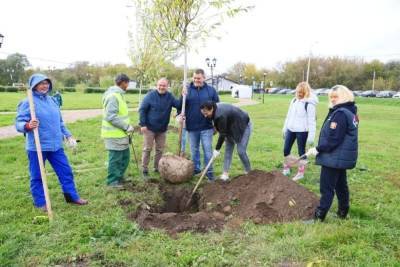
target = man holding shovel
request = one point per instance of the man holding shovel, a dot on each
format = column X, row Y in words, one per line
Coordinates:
column 52, row 131
column 234, row 127
column 115, row 130
column 200, row 128
column 155, row 112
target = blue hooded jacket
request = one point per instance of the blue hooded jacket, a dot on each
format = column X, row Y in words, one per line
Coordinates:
column 195, row 121
column 52, row 129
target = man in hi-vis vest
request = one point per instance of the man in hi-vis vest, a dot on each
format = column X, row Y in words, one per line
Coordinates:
column 115, row 130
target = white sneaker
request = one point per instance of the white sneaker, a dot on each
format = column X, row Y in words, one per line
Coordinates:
column 298, row 176
column 224, row 177
column 286, row 171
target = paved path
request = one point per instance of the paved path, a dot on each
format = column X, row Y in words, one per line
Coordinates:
column 75, row 115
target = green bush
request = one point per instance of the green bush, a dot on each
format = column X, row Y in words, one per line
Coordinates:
column 224, row 92
column 68, row 89
column 91, row 90
column 9, row 89
column 136, row 91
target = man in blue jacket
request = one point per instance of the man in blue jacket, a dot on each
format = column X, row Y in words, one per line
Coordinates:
column 155, row 112
column 52, row 131
column 200, row 129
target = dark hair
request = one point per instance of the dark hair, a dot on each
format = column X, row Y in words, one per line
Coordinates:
column 209, row 105
column 199, row 71
column 121, row 78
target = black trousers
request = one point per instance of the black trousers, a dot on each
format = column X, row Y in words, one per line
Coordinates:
column 290, row 137
column 333, row 181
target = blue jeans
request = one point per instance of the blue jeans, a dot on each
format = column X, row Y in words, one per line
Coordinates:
column 290, row 137
column 183, row 141
column 205, row 137
column 241, row 149
column 60, row 164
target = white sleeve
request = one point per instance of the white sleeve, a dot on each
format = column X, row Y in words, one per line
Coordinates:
column 311, row 121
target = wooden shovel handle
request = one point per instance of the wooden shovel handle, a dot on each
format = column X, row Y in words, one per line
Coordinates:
column 40, row 157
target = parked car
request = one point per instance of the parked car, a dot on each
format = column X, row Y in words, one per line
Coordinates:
column 284, row 91
column 291, row 92
column 385, row 94
column 357, row 93
column 321, row 91
column 396, row 95
column 274, row 90
column 368, row 93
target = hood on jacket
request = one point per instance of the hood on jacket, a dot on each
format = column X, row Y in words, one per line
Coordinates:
column 312, row 99
column 115, row 89
column 37, row 78
column 351, row 106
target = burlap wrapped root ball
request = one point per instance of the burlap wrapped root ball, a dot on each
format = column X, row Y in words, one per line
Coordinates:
column 175, row 169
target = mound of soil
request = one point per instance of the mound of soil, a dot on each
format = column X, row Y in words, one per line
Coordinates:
column 263, row 197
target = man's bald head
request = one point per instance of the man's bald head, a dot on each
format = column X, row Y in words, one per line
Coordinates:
column 162, row 85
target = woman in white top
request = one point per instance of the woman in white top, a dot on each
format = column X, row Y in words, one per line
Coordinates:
column 300, row 125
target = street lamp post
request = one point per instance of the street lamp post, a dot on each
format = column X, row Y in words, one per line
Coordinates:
column 1, row 39
column 265, row 74
column 211, row 64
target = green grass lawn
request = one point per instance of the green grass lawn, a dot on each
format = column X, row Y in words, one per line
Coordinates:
column 70, row 101
column 6, row 119
column 101, row 235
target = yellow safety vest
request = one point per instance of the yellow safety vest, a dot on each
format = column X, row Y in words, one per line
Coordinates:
column 107, row 129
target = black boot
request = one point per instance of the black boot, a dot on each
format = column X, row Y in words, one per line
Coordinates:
column 319, row 215
column 342, row 212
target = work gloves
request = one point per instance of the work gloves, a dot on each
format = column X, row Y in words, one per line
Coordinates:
column 71, row 143
column 216, row 153
column 130, row 129
column 312, row 152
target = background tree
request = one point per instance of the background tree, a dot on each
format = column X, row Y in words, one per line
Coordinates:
column 12, row 69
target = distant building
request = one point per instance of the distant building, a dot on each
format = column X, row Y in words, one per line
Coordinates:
column 132, row 85
column 222, row 84
column 241, row 91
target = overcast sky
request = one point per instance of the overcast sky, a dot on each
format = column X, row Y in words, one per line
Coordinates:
column 274, row 31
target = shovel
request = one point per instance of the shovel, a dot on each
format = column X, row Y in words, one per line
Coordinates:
column 200, row 179
column 291, row 160
column 134, row 152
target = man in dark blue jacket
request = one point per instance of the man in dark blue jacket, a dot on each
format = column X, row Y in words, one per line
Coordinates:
column 200, row 129
column 155, row 112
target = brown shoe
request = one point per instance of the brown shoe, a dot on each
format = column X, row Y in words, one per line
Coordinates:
column 80, row 202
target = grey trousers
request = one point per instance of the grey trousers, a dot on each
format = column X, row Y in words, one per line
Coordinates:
column 241, row 149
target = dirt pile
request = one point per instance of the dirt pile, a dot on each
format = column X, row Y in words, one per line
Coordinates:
column 263, row 197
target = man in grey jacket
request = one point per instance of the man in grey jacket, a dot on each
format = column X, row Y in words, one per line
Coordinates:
column 115, row 130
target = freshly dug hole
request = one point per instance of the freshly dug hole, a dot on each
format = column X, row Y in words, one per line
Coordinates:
column 263, row 197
